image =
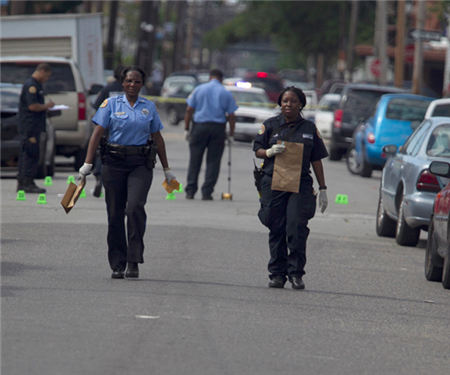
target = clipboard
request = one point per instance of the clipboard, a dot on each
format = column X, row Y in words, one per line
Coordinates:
column 287, row 168
column 72, row 194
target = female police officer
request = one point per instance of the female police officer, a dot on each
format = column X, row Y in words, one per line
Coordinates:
column 133, row 125
column 286, row 214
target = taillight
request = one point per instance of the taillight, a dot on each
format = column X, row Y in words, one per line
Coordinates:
column 338, row 113
column 81, row 106
column 262, row 75
column 427, row 182
column 371, row 138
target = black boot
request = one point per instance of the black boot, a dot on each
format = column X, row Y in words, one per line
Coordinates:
column 30, row 187
column 132, row 270
column 20, row 184
column 277, row 282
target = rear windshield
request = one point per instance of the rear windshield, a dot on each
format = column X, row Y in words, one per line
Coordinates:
column 441, row 110
column 266, row 84
column 407, row 109
column 61, row 79
column 250, row 98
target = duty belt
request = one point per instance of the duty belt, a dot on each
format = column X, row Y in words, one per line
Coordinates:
column 127, row 150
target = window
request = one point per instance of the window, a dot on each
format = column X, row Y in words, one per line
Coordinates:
column 413, row 143
column 439, row 141
column 441, row 110
column 406, row 109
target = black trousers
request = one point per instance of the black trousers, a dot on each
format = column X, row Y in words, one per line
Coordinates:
column 210, row 136
column 28, row 157
column 286, row 215
column 127, row 182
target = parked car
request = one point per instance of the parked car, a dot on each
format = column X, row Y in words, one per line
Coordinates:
column 324, row 115
column 358, row 102
column 408, row 189
column 270, row 82
column 395, row 118
column 175, row 90
column 331, row 86
column 65, row 86
column 254, row 108
column 309, row 111
column 438, row 107
column 437, row 254
column 10, row 140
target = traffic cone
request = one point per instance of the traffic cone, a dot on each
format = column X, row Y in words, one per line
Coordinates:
column 341, row 199
column 41, row 199
column 21, row 196
column 170, row 197
column 48, row 181
column 70, row 179
column 83, row 194
column 180, row 189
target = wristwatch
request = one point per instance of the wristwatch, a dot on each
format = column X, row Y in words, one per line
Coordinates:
column 323, row 187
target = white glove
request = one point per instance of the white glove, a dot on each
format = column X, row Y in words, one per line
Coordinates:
column 84, row 170
column 230, row 139
column 169, row 175
column 323, row 200
column 275, row 149
column 187, row 135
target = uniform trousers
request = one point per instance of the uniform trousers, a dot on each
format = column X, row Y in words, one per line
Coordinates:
column 28, row 157
column 211, row 136
column 286, row 215
column 127, row 182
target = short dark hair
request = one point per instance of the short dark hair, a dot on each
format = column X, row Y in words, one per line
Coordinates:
column 299, row 92
column 45, row 67
column 132, row 68
column 118, row 72
column 216, row 73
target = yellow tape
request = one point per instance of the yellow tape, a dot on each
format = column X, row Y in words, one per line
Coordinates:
column 162, row 99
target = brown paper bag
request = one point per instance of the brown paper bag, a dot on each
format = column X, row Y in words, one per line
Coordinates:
column 72, row 194
column 287, row 168
column 174, row 185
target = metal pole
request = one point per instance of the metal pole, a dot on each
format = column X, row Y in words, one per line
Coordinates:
column 446, row 87
column 400, row 44
column 383, row 42
column 418, row 51
column 351, row 38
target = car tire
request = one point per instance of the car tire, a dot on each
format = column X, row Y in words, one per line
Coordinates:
column 446, row 272
column 404, row 234
column 385, row 226
column 433, row 262
column 335, row 154
column 172, row 116
column 366, row 167
column 80, row 156
column 351, row 160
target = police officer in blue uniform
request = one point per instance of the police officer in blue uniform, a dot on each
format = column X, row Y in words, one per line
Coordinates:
column 210, row 105
column 286, row 214
column 32, row 112
column 133, row 126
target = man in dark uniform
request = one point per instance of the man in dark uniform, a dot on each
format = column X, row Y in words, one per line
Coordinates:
column 286, row 214
column 32, row 112
column 211, row 105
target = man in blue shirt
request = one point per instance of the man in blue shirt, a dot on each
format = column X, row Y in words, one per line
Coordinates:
column 210, row 105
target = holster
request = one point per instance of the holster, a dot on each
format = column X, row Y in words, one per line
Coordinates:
column 258, row 175
column 151, row 155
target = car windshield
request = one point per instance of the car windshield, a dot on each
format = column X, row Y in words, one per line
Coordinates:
column 439, row 142
column 179, row 86
column 441, row 110
column 327, row 104
column 266, row 84
column 9, row 98
column 406, row 109
column 249, row 98
column 61, row 79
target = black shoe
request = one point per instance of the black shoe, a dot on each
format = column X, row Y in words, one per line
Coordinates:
column 277, row 282
column 132, row 271
column 33, row 189
column 98, row 188
column 207, row 198
column 117, row 275
column 297, row 282
column 189, row 196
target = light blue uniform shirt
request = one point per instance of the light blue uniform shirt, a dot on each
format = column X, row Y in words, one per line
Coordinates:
column 127, row 125
column 211, row 102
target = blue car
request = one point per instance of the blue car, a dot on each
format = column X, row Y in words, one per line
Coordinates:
column 395, row 118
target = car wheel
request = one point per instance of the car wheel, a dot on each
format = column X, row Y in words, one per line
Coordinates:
column 353, row 165
column 446, row 272
column 385, row 226
column 80, row 156
column 433, row 262
column 404, row 234
column 172, row 116
column 335, row 154
column 366, row 167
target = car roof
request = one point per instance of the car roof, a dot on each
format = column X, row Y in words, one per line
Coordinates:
column 441, row 101
column 250, row 89
column 370, row 86
column 34, row 59
column 407, row 96
column 331, row 96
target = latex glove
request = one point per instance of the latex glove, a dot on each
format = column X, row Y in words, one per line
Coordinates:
column 323, row 200
column 230, row 139
column 85, row 170
column 169, row 175
column 275, row 149
column 187, row 135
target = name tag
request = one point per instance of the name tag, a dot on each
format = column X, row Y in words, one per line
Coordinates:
column 307, row 136
column 119, row 113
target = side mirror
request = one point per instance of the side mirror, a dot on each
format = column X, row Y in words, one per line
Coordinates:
column 95, row 89
column 440, row 168
column 390, row 149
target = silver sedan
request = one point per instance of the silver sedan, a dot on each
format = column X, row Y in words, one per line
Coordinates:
column 407, row 188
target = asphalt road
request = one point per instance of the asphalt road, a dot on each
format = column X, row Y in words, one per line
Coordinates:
column 201, row 305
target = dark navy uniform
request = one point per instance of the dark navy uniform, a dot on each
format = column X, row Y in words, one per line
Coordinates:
column 31, row 124
column 286, row 214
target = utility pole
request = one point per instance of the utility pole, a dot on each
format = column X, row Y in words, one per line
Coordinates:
column 351, row 38
column 446, row 86
column 146, row 39
column 382, row 40
column 109, row 53
column 418, row 48
column 190, row 35
column 400, row 44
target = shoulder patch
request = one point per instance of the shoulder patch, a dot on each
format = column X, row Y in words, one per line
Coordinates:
column 262, row 129
column 318, row 133
column 104, row 104
column 32, row 90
